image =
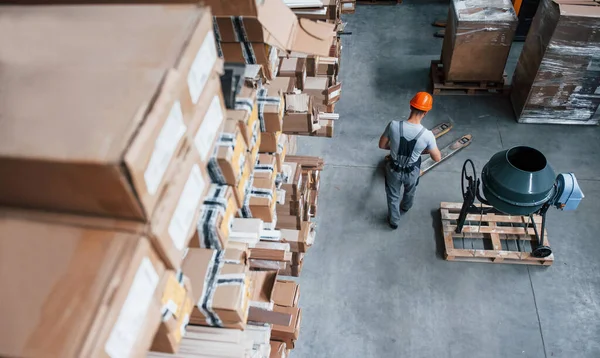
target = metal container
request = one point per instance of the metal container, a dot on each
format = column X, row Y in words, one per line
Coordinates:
column 518, row 181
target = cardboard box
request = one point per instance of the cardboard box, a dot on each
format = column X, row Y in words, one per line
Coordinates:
column 299, row 240
column 348, row 6
column 281, row 28
column 262, row 286
column 319, row 88
column 117, row 129
column 209, row 118
column 477, row 40
column 269, row 141
column 236, row 252
column 177, row 304
column 270, row 110
column 246, row 113
column 292, row 270
column 262, row 203
column 288, row 334
column 556, row 79
column 173, row 222
column 251, row 53
column 217, row 213
column 239, row 191
column 219, row 289
column 107, row 280
column 293, row 67
column 265, row 171
column 286, row 293
column 282, row 85
column 288, row 222
column 229, row 162
column 300, row 114
column 278, row 350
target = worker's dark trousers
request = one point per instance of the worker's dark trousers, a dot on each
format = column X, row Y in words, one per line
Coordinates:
column 394, row 182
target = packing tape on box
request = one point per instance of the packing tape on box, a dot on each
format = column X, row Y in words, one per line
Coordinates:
column 212, row 281
column 262, row 193
column 254, row 139
column 264, row 168
column 214, row 207
column 263, row 99
column 246, row 104
column 244, row 211
column 217, row 34
column 168, row 310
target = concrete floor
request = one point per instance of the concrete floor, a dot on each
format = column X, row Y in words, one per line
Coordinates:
column 368, row 291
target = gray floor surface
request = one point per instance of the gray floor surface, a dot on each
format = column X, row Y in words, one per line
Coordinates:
column 368, row 291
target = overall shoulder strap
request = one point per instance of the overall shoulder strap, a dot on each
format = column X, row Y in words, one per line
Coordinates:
column 420, row 133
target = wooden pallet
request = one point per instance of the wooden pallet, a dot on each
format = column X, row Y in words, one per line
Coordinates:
column 379, row 2
column 442, row 87
column 492, row 238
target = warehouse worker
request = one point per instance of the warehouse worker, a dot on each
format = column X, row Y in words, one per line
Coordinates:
column 406, row 140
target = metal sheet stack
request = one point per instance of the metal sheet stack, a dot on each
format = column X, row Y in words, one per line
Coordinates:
column 148, row 198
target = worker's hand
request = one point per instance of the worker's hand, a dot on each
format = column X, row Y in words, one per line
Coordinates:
column 388, row 157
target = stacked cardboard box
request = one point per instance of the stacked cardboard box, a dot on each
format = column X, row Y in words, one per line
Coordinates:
column 556, row 79
column 114, row 151
column 479, row 34
column 156, row 194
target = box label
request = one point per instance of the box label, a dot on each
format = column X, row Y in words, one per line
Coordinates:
column 184, row 213
column 348, row 5
column 209, row 127
column 202, row 66
column 164, row 148
column 134, row 311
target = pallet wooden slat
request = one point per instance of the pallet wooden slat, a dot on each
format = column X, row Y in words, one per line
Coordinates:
column 442, row 87
column 493, row 229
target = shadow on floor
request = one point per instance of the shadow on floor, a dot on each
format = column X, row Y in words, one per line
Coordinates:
column 436, row 220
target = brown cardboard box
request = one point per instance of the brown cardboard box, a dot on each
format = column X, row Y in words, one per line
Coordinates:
column 288, row 222
column 102, row 127
column 299, row 240
column 287, row 334
column 217, row 213
column 348, row 6
column 270, row 110
column 239, row 191
column 217, row 304
column 319, row 88
column 236, row 253
column 265, row 171
column 292, row 270
column 173, row 222
column 300, row 115
column 278, row 350
column 262, row 287
column 286, row 293
column 251, row 53
column 281, row 28
column 246, row 113
column 229, row 162
column 281, row 85
column 269, row 141
column 293, row 67
column 556, row 79
column 177, row 304
column 263, row 201
column 108, row 281
column 209, row 118
column 478, row 37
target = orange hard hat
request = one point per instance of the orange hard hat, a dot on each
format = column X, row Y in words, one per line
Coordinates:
column 422, row 101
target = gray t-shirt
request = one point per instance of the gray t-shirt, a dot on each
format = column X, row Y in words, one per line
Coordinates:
column 410, row 131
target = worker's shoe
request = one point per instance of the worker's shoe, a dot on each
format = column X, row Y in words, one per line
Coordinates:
column 392, row 225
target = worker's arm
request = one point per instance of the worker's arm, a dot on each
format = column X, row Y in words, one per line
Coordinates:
column 435, row 154
column 433, row 150
column 384, row 140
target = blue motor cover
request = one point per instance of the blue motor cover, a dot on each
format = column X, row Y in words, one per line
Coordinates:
column 568, row 192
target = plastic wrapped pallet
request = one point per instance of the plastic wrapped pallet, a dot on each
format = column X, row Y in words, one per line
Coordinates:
column 557, row 79
column 478, row 37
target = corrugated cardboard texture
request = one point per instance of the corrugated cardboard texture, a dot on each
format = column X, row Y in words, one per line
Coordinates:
column 66, row 286
column 478, row 37
column 70, row 112
column 557, row 78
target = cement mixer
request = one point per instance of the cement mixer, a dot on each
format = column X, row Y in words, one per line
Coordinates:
column 518, row 181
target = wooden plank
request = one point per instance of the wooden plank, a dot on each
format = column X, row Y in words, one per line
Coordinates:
column 519, row 229
column 494, row 217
